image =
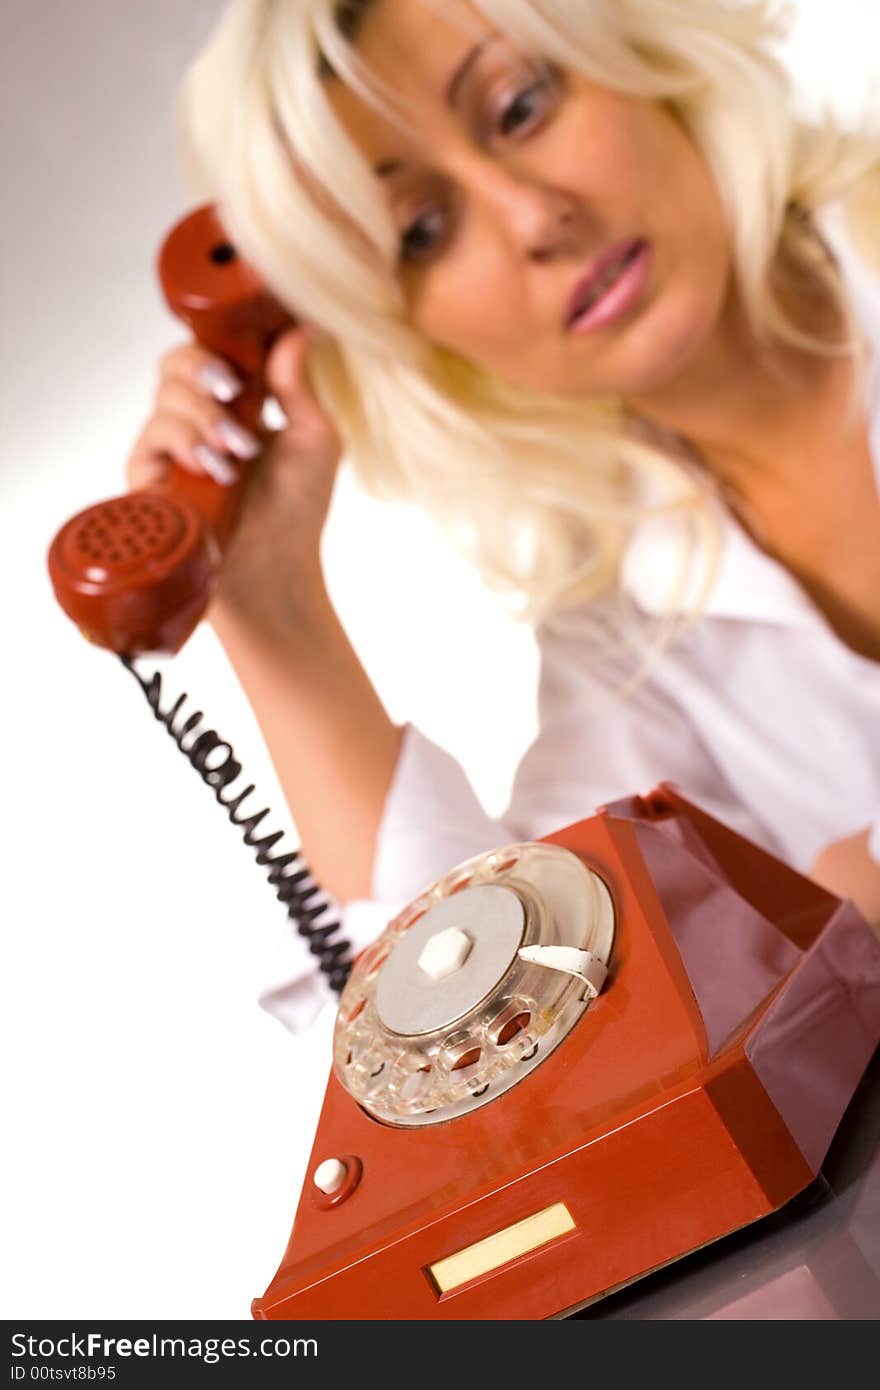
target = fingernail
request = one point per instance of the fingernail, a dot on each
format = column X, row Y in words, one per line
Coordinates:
column 219, row 468
column 237, row 439
column 221, row 381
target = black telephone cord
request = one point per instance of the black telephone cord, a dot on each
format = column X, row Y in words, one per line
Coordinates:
column 289, row 874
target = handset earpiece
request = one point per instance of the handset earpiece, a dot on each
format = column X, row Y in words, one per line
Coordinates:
column 137, row 572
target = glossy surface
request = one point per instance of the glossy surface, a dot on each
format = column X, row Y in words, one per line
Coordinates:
column 124, row 593
column 817, row 1259
column 658, row 1143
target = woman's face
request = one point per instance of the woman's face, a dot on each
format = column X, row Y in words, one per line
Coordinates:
column 524, row 195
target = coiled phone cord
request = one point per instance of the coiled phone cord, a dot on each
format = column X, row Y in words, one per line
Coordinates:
column 289, row 874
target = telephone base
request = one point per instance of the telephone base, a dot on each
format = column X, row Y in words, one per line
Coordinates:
column 696, row 1095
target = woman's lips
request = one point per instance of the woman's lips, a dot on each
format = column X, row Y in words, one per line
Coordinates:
column 627, row 265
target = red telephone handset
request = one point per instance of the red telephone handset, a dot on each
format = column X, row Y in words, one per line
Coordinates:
column 136, row 573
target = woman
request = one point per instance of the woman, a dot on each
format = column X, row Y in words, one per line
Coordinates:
column 578, row 282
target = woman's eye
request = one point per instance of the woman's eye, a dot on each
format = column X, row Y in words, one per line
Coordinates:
column 528, row 104
column 423, row 236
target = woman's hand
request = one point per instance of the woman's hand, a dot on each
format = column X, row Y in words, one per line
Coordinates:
column 330, row 739
column 272, row 562
column 847, row 869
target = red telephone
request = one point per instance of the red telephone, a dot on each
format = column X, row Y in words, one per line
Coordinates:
column 507, row 1135
column 136, row 573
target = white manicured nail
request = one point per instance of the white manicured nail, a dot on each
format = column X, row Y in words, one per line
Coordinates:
column 221, row 381
column 219, row 468
column 237, row 439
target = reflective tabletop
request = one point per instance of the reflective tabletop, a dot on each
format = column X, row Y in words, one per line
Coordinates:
column 817, row 1258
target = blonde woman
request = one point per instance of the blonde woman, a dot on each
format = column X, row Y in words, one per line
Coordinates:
column 576, row 280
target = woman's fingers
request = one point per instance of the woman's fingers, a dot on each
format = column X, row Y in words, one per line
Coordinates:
column 218, row 425
column 192, row 424
column 207, row 373
column 168, row 438
column 308, row 430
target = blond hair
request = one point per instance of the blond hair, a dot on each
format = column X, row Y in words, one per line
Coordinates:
column 540, row 491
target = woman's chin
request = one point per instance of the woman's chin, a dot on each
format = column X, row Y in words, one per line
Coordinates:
column 659, row 351
column 643, row 358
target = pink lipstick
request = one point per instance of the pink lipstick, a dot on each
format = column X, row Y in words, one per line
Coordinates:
column 612, row 286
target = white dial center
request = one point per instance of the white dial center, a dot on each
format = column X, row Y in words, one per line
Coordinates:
column 445, row 953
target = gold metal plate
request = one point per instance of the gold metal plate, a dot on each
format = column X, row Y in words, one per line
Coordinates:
column 499, row 1249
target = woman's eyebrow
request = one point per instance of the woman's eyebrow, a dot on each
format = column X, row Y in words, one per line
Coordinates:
column 464, row 68
column 388, row 167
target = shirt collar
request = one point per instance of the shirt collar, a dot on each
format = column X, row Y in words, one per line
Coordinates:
column 743, row 582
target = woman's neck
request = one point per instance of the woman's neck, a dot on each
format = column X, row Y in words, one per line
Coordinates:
column 774, row 426
column 752, row 409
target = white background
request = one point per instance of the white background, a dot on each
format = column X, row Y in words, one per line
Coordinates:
column 157, row 1123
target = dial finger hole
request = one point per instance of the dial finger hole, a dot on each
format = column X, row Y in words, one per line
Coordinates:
column 459, row 1052
column 350, row 1009
column 409, row 918
column 511, row 1020
column 458, row 884
column 372, row 958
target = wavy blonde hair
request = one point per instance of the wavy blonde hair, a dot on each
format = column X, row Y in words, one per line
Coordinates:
column 540, row 491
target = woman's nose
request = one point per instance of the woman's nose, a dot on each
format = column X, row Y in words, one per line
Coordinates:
column 541, row 219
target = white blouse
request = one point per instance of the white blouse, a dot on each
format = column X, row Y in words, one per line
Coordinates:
column 758, row 712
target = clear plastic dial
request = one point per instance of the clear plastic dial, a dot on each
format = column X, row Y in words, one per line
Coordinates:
column 415, row 1049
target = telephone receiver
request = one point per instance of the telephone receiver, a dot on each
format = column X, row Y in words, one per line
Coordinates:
column 137, row 572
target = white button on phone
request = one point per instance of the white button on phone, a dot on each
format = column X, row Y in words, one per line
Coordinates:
column 445, row 953
column 330, row 1175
